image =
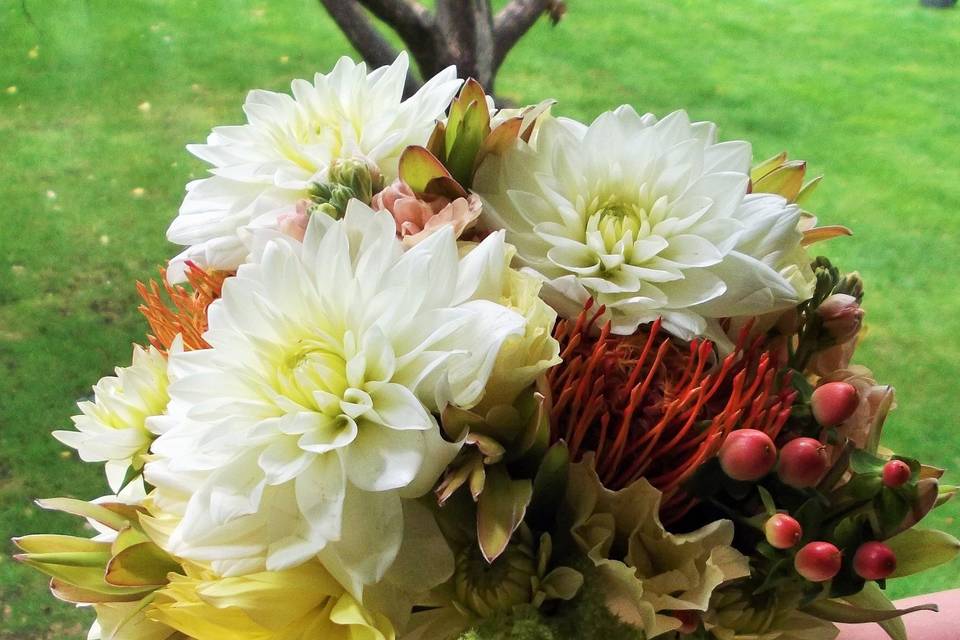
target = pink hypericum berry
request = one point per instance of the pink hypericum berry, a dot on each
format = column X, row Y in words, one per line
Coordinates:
column 896, row 473
column 818, row 561
column 803, row 461
column 874, row 561
column 748, row 454
column 782, row 531
column 834, row 402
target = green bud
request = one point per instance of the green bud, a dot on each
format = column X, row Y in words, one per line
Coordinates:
column 347, row 179
column 852, row 285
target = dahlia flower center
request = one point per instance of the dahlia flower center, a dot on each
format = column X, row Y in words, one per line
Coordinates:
column 615, row 223
column 311, row 367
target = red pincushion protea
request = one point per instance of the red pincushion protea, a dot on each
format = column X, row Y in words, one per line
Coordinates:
column 652, row 406
column 186, row 312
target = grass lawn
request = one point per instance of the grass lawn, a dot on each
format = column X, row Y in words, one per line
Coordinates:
column 98, row 99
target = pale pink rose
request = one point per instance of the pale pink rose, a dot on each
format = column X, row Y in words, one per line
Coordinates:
column 294, row 223
column 842, row 316
column 416, row 218
column 833, row 358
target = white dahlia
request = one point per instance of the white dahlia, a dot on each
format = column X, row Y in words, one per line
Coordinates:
column 260, row 169
column 651, row 218
column 301, row 430
column 116, row 427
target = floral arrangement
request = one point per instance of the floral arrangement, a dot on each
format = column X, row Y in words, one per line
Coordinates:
column 430, row 369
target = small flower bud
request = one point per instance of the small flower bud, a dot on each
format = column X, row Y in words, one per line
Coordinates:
column 357, row 175
column 842, row 316
column 818, row 561
column 832, row 403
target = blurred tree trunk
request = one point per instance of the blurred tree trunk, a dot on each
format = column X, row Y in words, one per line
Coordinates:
column 465, row 33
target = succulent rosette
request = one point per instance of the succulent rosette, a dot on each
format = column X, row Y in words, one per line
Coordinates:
column 432, row 370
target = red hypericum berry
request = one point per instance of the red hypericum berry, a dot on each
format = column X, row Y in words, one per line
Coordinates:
column 818, row 561
column 874, row 561
column 833, row 403
column 782, row 531
column 803, row 461
column 689, row 621
column 748, row 455
column 896, row 473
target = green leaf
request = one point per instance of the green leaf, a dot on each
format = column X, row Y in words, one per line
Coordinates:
column 50, row 543
column 436, row 141
column 89, row 579
column 141, row 565
column 535, row 439
column 76, row 595
column 863, row 462
column 807, row 190
column 767, row 500
column 97, row 512
column 128, row 537
column 471, row 94
column 891, row 509
column 945, row 494
column 786, row 180
column 500, row 510
column 418, row 167
column 470, row 132
column 921, row 549
column 549, row 486
column 810, row 515
column 500, row 139
column 848, row 532
column 863, row 487
column 835, row 611
column 872, row 597
column 768, row 165
column 445, row 186
column 85, row 559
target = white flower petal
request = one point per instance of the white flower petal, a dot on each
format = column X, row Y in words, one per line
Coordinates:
column 643, row 215
column 263, row 167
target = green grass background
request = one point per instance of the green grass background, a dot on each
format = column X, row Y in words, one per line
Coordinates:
column 865, row 90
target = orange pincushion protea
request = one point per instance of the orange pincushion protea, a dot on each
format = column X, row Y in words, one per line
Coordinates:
column 186, row 312
column 651, row 406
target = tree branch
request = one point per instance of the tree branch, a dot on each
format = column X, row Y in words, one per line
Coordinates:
column 364, row 37
column 512, row 22
column 412, row 22
column 409, row 18
column 467, row 30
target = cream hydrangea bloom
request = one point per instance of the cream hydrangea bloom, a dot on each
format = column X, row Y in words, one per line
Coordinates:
column 260, row 169
column 643, row 570
column 312, row 416
column 115, row 427
column 651, row 218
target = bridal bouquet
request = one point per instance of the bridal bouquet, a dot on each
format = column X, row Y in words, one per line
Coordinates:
column 432, row 369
